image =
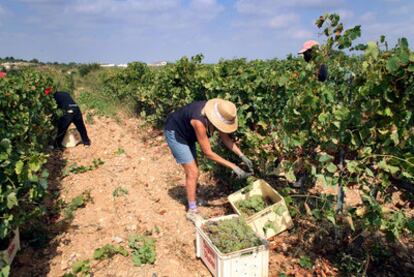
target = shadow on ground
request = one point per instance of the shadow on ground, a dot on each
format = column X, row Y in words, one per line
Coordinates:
column 212, row 196
column 40, row 238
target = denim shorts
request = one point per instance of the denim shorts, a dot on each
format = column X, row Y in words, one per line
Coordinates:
column 183, row 153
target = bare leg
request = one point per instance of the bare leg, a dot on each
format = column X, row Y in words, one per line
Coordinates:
column 191, row 178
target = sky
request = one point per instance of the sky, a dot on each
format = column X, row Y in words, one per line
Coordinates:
column 121, row 31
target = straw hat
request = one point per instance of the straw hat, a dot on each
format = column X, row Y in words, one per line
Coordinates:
column 308, row 45
column 222, row 114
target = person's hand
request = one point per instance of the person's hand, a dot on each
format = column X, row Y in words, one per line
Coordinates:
column 241, row 174
column 247, row 162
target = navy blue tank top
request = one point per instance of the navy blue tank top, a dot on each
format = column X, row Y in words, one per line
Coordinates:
column 180, row 122
column 64, row 100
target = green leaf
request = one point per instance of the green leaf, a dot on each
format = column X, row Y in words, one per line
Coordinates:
column 352, row 166
column 403, row 43
column 98, row 254
column 332, row 168
column 369, row 172
column 12, row 200
column 393, row 64
column 305, row 262
column 404, row 58
column 5, row 271
column 290, row 175
column 388, row 112
column 323, row 158
column 394, row 137
column 331, row 218
column 410, row 224
column 81, row 266
column 19, row 167
column 5, row 144
column 387, row 167
column 136, row 260
column 282, row 80
column 372, row 50
column 35, row 164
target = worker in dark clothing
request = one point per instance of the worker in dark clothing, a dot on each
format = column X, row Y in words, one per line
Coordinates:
column 71, row 113
column 308, row 55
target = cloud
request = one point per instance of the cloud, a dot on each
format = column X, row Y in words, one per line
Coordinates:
column 283, row 20
column 401, row 10
column 3, row 14
column 3, row 10
column 119, row 8
column 345, row 14
column 207, row 9
column 368, row 17
column 300, row 34
column 271, row 6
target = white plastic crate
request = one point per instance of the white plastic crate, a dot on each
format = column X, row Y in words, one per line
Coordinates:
column 250, row 262
column 270, row 221
column 8, row 254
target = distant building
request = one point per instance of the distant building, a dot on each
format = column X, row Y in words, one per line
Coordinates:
column 15, row 65
column 113, row 65
column 161, row 63
column 108, row 65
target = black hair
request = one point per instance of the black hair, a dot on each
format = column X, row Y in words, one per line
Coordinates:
column 307, row 55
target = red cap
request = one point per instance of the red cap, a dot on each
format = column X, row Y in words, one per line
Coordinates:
column 3, row 74
column 48, row 90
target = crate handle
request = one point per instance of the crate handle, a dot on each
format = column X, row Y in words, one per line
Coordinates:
column 247, row 253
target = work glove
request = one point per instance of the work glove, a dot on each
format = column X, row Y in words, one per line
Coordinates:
column 241, row 174
column 247, row 162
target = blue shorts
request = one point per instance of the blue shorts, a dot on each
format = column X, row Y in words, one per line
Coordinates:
column 183, row 153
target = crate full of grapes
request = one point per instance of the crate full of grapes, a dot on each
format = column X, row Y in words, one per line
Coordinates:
column 230, row 248
column 264, row 209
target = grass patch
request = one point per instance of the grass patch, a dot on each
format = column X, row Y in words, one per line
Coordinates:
column 108, row 251
column 143, row 249
column 100, row 103
column 79, row 201
column 80, row 268
column 120, row 191
column 120, row 151
column 75, row 169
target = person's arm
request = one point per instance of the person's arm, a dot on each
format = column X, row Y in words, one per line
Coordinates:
column 201, row 134
column 229, row 143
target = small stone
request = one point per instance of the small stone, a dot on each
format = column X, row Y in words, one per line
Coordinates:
column 73, row 257
column 117, row 239
column 132, row 227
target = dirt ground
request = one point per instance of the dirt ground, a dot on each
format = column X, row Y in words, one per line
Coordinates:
column 155, row 199
column 138, row 160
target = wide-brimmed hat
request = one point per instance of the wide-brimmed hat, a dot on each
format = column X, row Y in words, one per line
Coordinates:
column 222, row 114
column 308, row 45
